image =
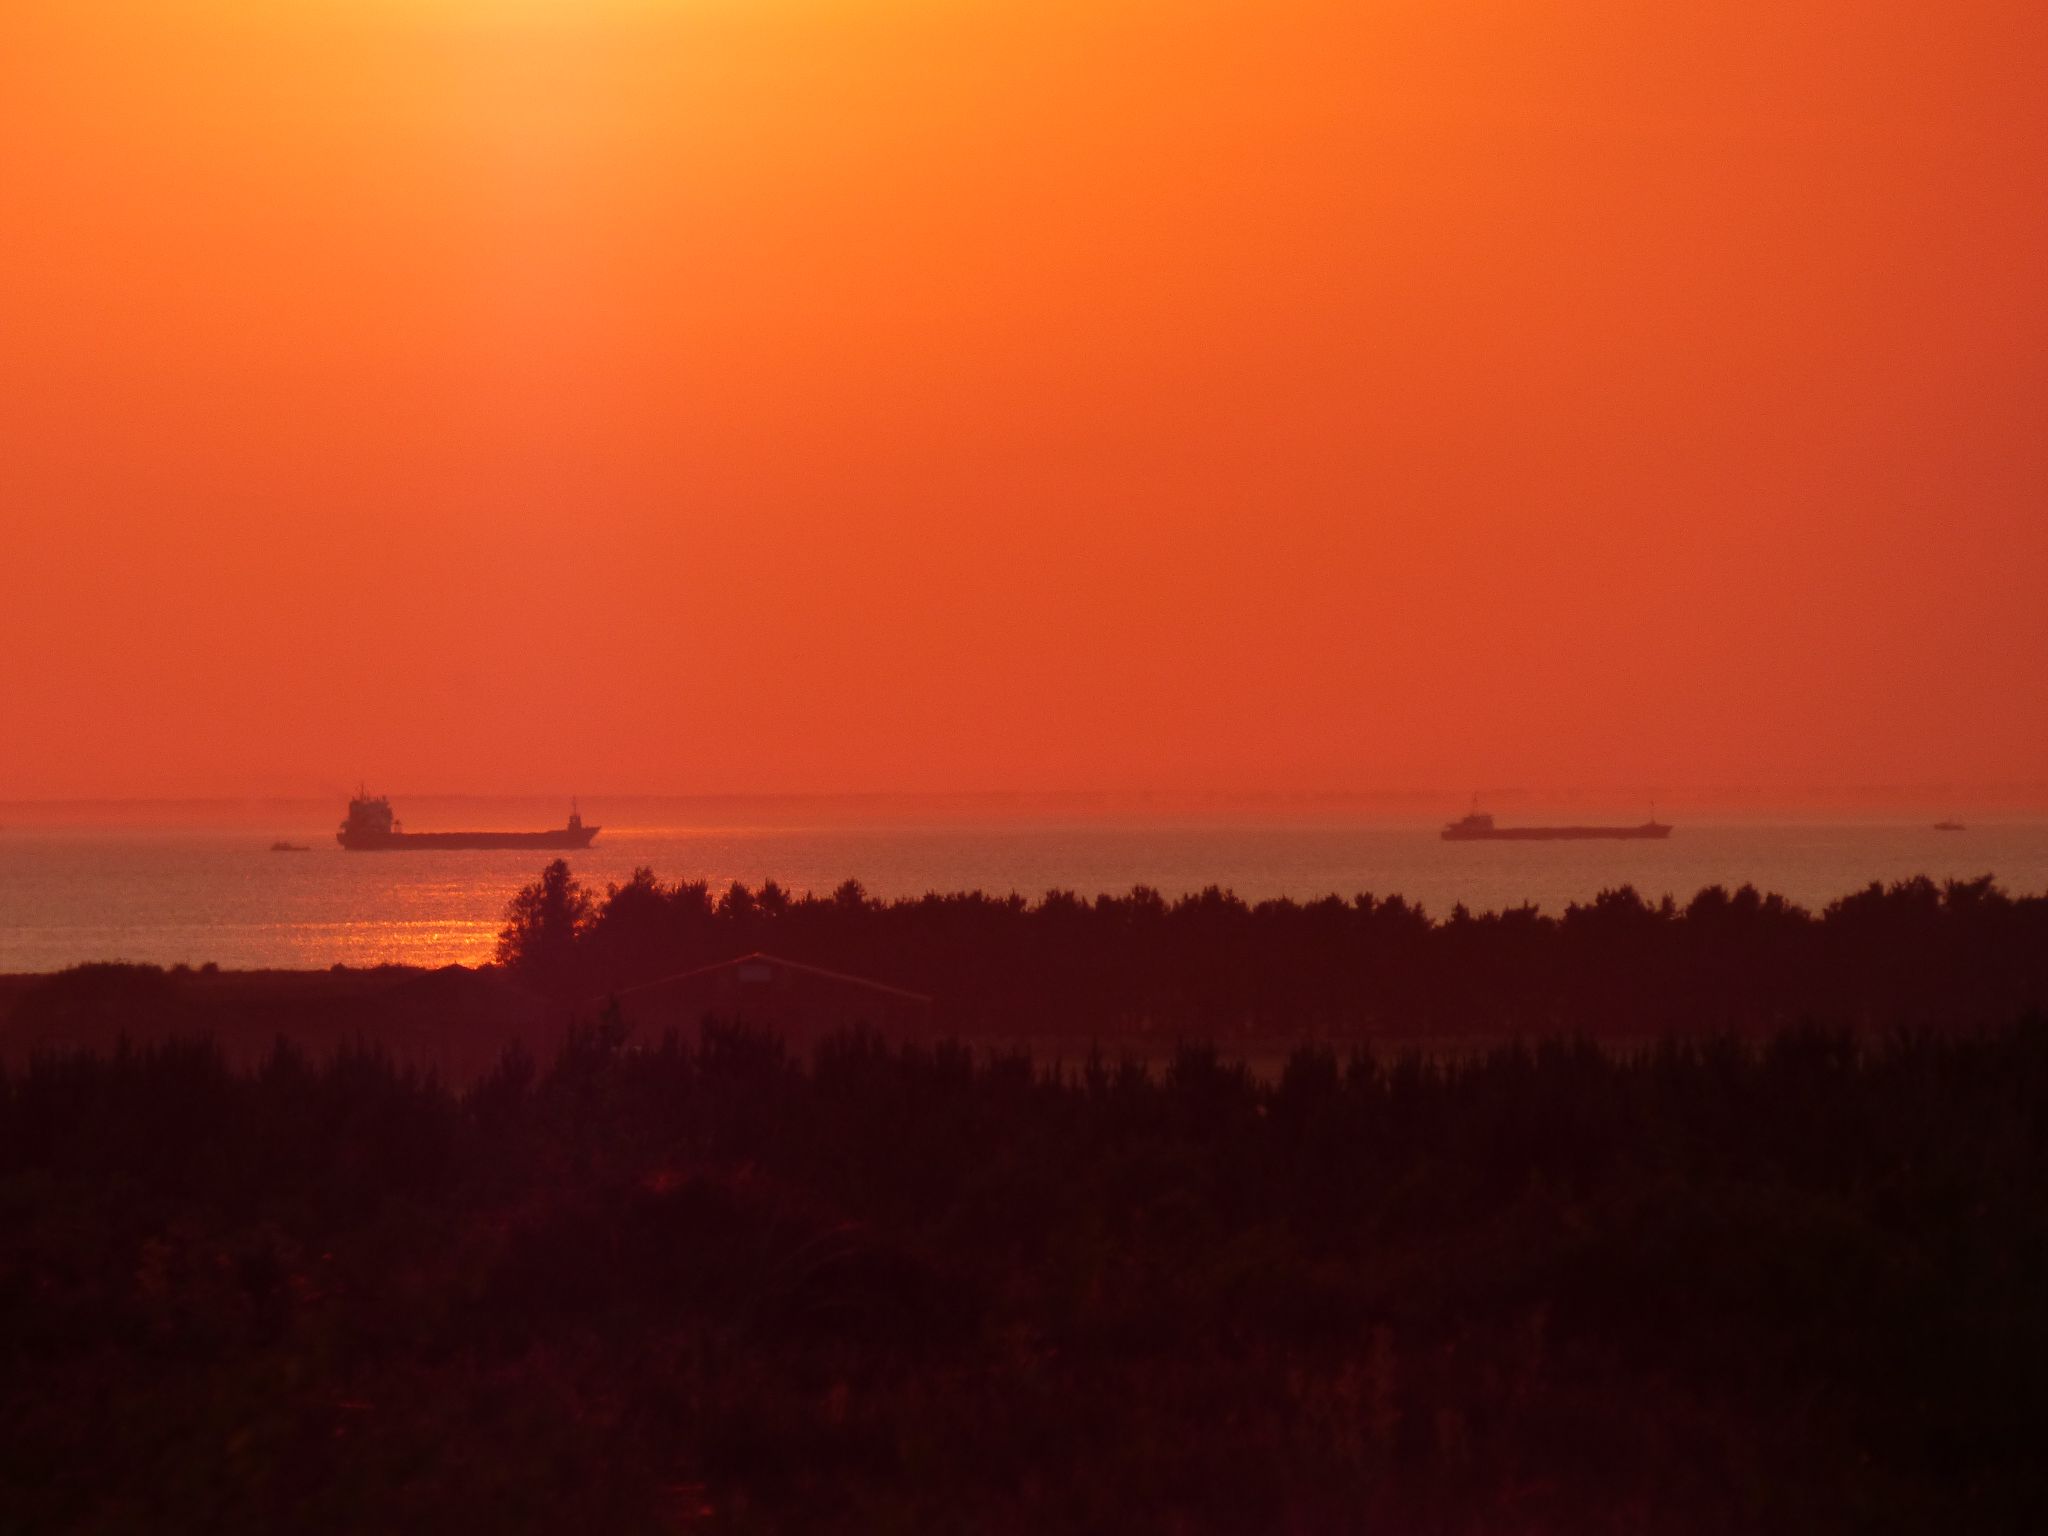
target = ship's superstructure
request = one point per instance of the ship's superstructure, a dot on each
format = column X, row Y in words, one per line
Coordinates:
column 370, row 825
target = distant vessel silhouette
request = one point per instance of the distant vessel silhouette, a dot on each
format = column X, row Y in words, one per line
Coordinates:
column 1950, row 826
column 370, row 826
column 282, row 847
column 1479, row 827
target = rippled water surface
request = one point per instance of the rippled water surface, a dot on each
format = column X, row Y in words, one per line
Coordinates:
column 199, row 892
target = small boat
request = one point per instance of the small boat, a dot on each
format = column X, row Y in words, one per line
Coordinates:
column 290, row 848
column 1950, row 826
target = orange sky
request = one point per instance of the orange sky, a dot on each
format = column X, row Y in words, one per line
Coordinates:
column 707, row 396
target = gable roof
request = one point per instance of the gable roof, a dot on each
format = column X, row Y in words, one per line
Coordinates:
column 761, row 957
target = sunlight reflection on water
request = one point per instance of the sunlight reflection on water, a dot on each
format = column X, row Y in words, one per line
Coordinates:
column 210, row 893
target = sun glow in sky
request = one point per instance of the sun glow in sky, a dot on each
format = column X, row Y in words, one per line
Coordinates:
column 838, row 396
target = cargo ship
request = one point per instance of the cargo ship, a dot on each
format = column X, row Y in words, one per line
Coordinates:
column 1479, row 827
column 370, row 825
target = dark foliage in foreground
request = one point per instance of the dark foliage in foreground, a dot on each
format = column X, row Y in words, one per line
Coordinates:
column 1211, row 966
column 1801, row 1286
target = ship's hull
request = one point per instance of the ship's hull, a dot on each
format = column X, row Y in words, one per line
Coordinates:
column 1650, row 829
column 373, row 842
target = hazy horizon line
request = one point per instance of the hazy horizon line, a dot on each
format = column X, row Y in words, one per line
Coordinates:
column 2023, row 798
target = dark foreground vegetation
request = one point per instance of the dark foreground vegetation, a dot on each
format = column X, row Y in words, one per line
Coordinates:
column 1715, row 1286
column 1209, row 966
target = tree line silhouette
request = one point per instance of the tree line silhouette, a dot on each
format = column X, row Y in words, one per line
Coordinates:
column 694, row 1283
column 1212, row 966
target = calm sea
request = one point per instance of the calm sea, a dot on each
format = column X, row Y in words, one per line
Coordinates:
column 208, row 888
